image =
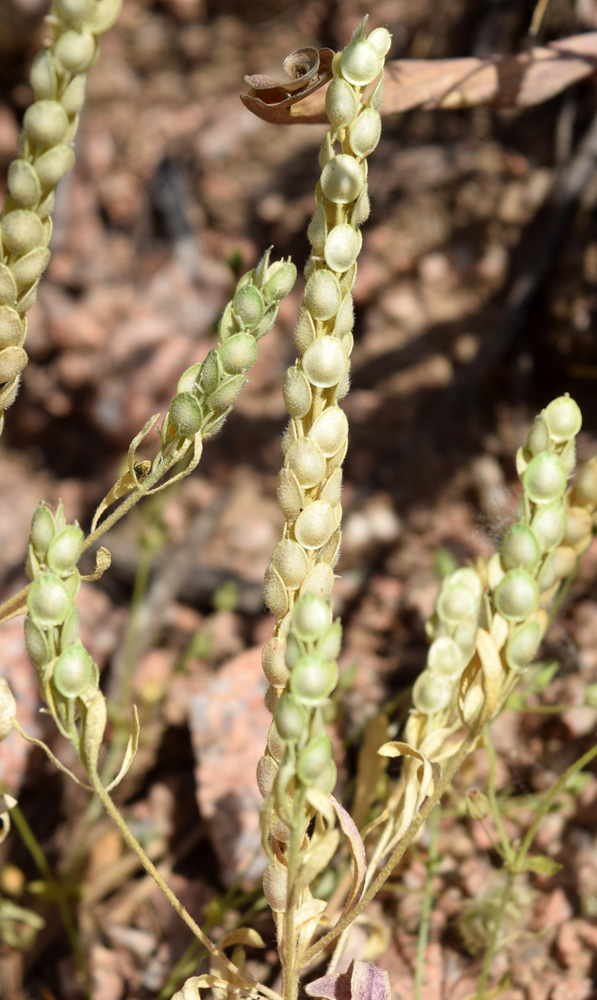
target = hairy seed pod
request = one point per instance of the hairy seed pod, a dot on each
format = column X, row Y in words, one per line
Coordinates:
column 345, row 318
column 545, row 478
column 310, row 617
column 456, row 604
column 281, row 277
column 315, row 525
column 341, row 103
column 48, row 601
column 73, row 672
column 313, row 679
column 563, row 418
column 12, row 327
column 42, row 530
column 238, row 353
column 65, row 550
column 53, row 165
column 538, row 436
column 75, row 50
column 307, row 461
column 267, row 771
column 322, row 295
column 517, row 596
column 324, row 362
column 304, row 331
column 313, row 759
column 380, row 39
column 297, row 393
column 548, row 525
column 291, row 719
column 23, row 183
column 29, row 268
column 73, row 11
column 361, row 210
column 432, row 693
column 21, row 231
column 12, row 362
column 578, row 526
column 331, row 490
column 445, row 657
column 291, row 562
column 275, row 886
column 342, row 179
column 522, row 645
column 330, row 552
column 69, row 632
column 185, row 414
column 273, row 662
column 36, row 643
column 72, row 584
column 318, row 230
column 248, row 305
column 211, row 373
column 8, row 709
column 319, row 582
column 276, row 594
column 43, row 77
column 275, row 743
column 189, row 379
column 290, row 495
column 365, row 133
column 519, row 548
column 93, row 727
column 46, row 123
column 8, row 288
column 226, row 393
column 360, row 63
column 341, row 247
column 271, row 700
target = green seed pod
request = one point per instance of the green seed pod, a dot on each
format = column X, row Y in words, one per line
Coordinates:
column 72, row 584
column 464, row 637
column 313, row 679
column 563, row 418
column 578, row 526
column 445, row 657
column 276, row 594
column 211, row 373
column 319, row 583
column 341, row 103
column 23, row 183
column 307, row 461
column 519, row 548
column 290, row 495
column 361, row 210
column 36, row 643
column 185, row 414
column 469, row 578
column 315, row 525
column 318, row 230
column 69, row 632
column 341, row 247
column 43, row 77
column 291, row 563
column 313, row 760
column 28, row 269
column 297, row 393
column 380, row 39
column 322, row 295
column 65, row 550
column 330, row 430
column 342, row 179
column 12, row 327
column 73, row 11
column 226, row 393
column 274, row 664
column 327, row 779
column 585, row 488
column 238, row 353
column 42, row 530
column 538, row 437
column 75, row 50
column 46, row 123
column 281, row 278
column 73, row 672
column 291, row 719
column 568, row 456
column 310, row 617
column 360, row 63
column 248, row 306
column 295, row 649
column 22, row 231
column 549, row 524
column 324, row 362
column 456, row 604
column 545, row 478
column 517, row 596
column 52, row 166
column 189, row 379
column 365, row 133
column 8, row 709
column 522, row 645
column 330, row 643
column 74, row 95
column 432, row 693
column 48, row 601
column 304, row 331
column 546, row 577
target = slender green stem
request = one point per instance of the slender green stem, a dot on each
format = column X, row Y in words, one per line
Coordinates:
column 290, row 972
column 493, row 802
column 425, row 923
column 495, row 933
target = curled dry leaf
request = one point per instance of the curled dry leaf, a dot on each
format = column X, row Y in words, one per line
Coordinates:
column 357, row 849
column 7, row 802
column 507, row 81
column 361, row 981
column 272, row 99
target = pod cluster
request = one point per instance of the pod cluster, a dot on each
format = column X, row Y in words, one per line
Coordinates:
column 66, row 670
column 207, row 390
column 315, row 442
column 45, row 157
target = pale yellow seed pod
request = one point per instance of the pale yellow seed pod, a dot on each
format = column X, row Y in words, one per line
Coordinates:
column 275, row 743
column 318, row 230
column 330, row 430
column 275, row 886
column 29, row 268
column 74, row 95
column 23, row 183
column 330, row 552
column 276, row 594
column 319, row 582
column 12, row 327
column 341, row 247
column 341, row 103
column 432, row 693
column 93, row 727
column 75, row 50
column 26, row 300
column 46, row 123
column 473, row 704
column 290, row 495
column 12, row 362
column 73, row 11
column 345, row 318
column 565, row 561
column 361, row 210
column 380, row 39
column 266, row 775
column 52, row 166
column 315, row 525
column 291, row 563
column 365, row 133
column 307, row 461
column 8, row 709
column 325, row 362
column 297, row 393
column 273, row 661
column 43, row 77
column 331, row 491
column 578, row 526
column 336, row 460
column 22, row 231
column 322, row 295
column 271, row 698
column 304, row 331
column 360, row 63
column 342, row 179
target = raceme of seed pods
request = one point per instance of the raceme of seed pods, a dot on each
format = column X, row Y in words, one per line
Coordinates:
column 299, row 661
column 45, row 157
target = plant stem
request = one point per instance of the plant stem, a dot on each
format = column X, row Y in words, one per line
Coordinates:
column 425, row 924
column 493, row 803
column 495, row 932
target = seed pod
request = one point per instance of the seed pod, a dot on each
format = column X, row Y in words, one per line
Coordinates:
column 331, row 491
column 326, row 779
column 578, row 526
column 185, row 414
column 275, row 886
column 432, row 693
column 318, row 230
column 12, row 327
column 455, row 604
column 75, row 50
column 330, row 430
column 546, row 577
column 517, row 596
column 8, row 288
column 345, row 318
column 291, row 562
column 341, row 103
column 290, row 495
column 273, row 662
column 361, row 210
column 313, row 679
column 295, row 648
column 360, row 63
column 291, row 719
column 545, row 478
column 330, row 552
column 28, row 269
column 270, row 701
column 307, row 461
column 52, row 166
column 315, row 525
column 549, row 524
column 69, row 632
column 342, row 179
column 93, row 727
column 445, row 657
column 522, row 645
column 43, row 76
column 73, row 672
column 73, row 11
column 310, row 617
column 12, row 362
column 36, row 643
column 341, row 247
column 469, row 578
column 42, row 530
column 21, row 231
column 380, row 39
column 322, row 295
column 103, row 15
column 276, row 594
column 314, row 759
column 248, row 305
column 238, row 353
column 72, row 584
column 568, row 456
column 304, row 331
column 564, row 561
column 226, row 393
column 8, row 709
column 464, row 637
column 365, row 133
column 330, row 643
column 324, row 362
column 211, row 373
column 23, row 183
column 46, row 123
column 538, row 436
column 267, row 772
column 48, row 601
column 563, row 418
column 585, row 488
column 275, row 743
column 65, row 550
column 519, row 548
column 297, row 393
column 319, row 582
column 281, row 277
column 189, row 379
